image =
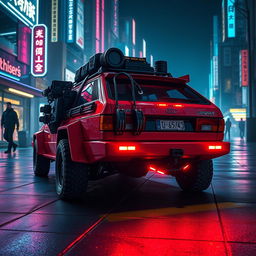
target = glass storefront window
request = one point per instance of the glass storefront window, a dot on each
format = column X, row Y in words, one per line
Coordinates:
column 20, row 105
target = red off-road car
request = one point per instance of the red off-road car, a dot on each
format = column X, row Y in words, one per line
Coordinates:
column 122, row 115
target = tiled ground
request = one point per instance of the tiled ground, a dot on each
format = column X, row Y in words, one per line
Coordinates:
column 124, row 216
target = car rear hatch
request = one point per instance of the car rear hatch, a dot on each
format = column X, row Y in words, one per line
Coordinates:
column 172, row 112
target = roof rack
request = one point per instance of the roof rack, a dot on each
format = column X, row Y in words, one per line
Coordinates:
column 114, row 60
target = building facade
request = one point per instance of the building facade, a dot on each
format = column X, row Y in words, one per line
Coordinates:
column 16, row 83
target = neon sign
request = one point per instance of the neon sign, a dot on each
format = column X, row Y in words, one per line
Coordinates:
column 70, row 24
column 39, row 50
column 80, row 24
column 54, row 30
column 244, row 67
column 231, row 18
column 10, row 67
column 24, row 10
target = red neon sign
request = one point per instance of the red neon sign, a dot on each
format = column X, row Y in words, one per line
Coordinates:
column 244, row 68
column 39, row 50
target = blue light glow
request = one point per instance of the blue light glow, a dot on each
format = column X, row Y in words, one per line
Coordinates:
column 231, row 18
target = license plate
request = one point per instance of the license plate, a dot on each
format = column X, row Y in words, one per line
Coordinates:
column 171, row 125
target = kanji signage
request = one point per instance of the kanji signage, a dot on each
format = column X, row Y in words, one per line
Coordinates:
column 39, row 50
column 70, row 22
column 231, row 18
column 244, row 67
column 24, row 10
column 54, row 27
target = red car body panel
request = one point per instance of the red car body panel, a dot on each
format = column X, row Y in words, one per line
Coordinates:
column 89, row 144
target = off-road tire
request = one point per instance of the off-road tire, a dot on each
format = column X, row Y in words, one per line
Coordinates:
column 71, row 177
column 41, row 164
column 198, row 178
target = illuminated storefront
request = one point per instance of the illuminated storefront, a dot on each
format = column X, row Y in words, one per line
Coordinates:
column 16, row 86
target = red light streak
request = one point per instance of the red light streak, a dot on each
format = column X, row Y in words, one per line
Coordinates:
column 127, row 148
column 161, row 172
column 186, row 167
column 152, row 168
column 178, row 106
column 211, row 147
column 162, row 105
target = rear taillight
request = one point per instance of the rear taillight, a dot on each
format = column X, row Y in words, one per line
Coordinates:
column 106, row 123
column 209, row 125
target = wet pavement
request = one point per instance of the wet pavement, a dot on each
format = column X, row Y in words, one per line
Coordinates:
column 125, row 216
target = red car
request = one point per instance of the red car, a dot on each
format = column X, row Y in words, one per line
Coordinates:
column 122, row 115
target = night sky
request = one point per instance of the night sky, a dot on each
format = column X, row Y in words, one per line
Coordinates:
column 178, row 31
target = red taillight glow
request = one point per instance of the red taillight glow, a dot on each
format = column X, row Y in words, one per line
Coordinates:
column 162, row 105
column 178, row 105
column 127, row 148
column 211, row 147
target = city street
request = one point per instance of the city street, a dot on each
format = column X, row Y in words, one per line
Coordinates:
column 125, row 216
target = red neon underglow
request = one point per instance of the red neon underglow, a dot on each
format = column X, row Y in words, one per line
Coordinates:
column 97, row 48
column 127, row 148
column 186, row 167
column 215, row 147
column 161, row 172
column 102, row 25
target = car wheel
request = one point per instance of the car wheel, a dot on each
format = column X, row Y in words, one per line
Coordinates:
column 41, row 164
column 198, row 178
column 71, row 177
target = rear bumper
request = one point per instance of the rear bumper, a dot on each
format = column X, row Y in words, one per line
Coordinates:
column 109, row 151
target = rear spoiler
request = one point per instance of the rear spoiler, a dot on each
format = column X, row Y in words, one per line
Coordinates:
column 186, row 78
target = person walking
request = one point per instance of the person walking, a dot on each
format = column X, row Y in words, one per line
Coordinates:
column 228, row 128
column 241, row 128
column 8, row 122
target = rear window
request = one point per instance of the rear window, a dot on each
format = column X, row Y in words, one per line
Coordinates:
column 156, row 92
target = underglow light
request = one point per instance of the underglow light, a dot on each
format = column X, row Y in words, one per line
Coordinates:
column 20, row 93
column 126, row 50
column 133, row 31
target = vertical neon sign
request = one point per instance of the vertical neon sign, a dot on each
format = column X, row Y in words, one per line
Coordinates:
column 39, row 50
column 244, row 67
column 97, row 48
column 71, row 25
column 144, row 48
column 231, row 18
column 102, row 25
column 133, row 32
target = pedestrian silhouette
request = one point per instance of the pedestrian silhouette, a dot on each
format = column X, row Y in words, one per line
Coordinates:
column 241, row 128
column 8, row 122
column 228, row 128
